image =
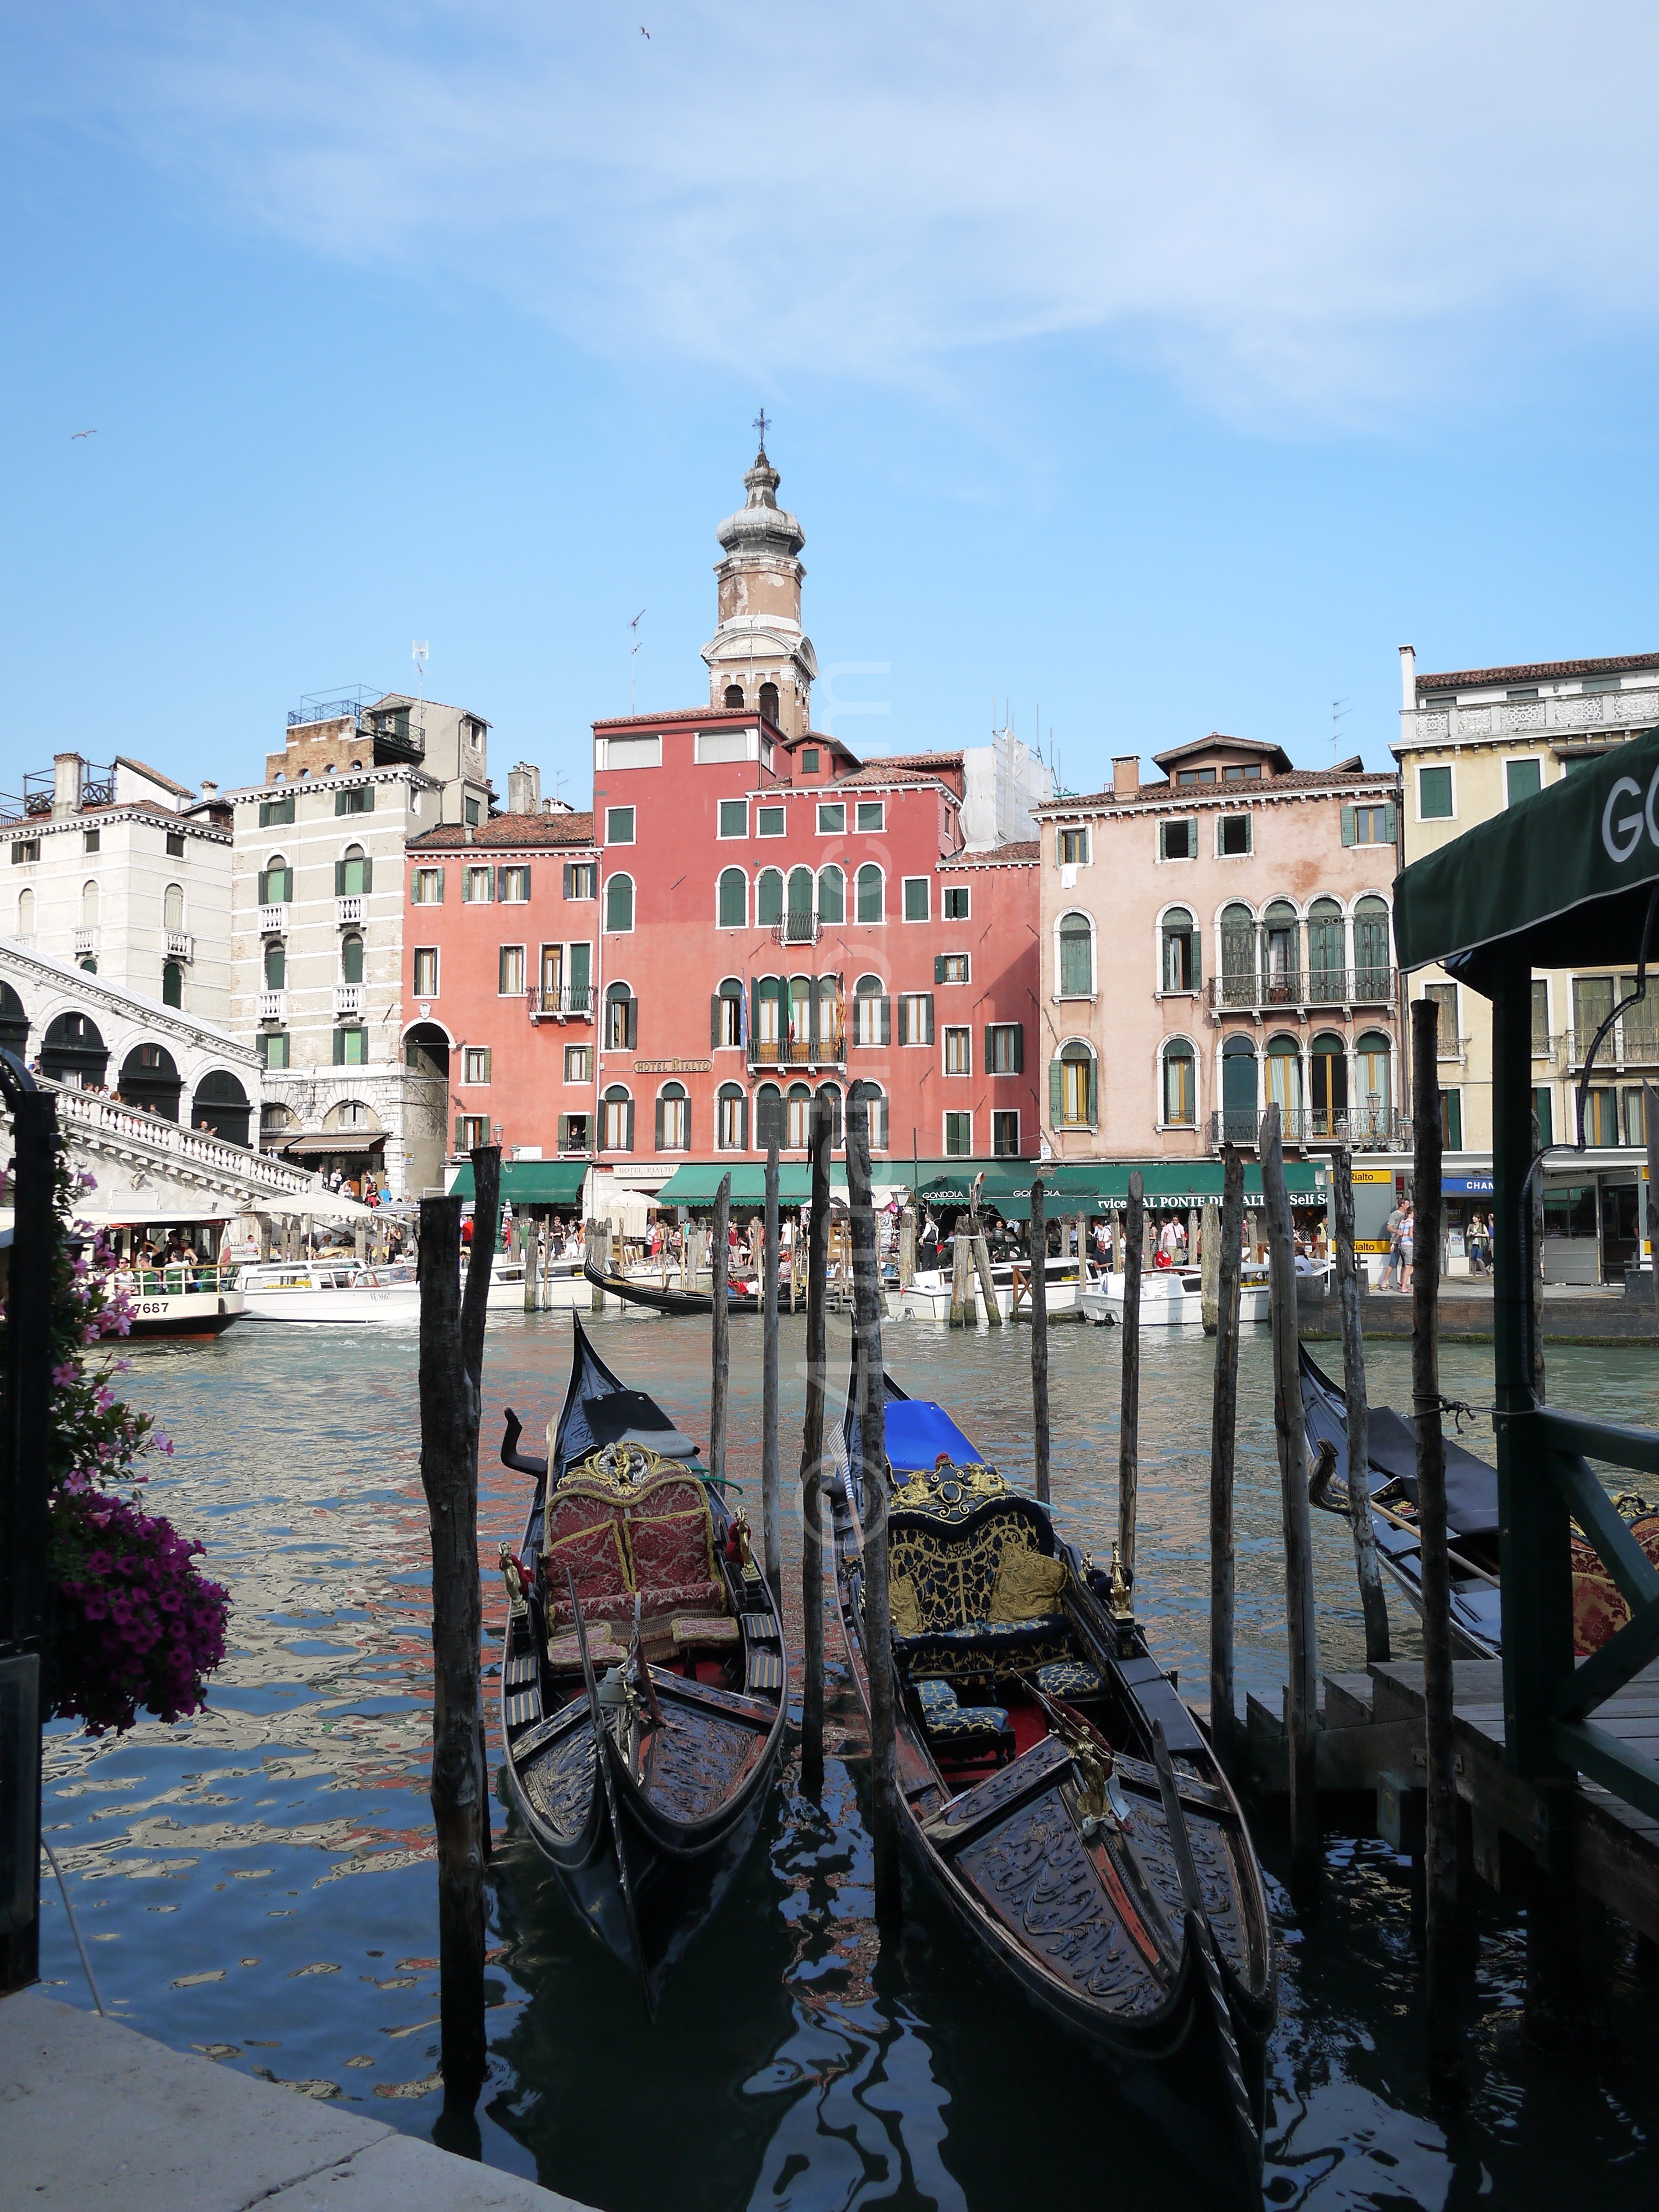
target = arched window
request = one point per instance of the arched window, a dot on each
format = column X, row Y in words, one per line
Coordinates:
column 351, row 958
column 797, row 1130
column 1180, row 954
column 731, row 1119
column 770, row 1000
column 731, row 905
column 831, row 1033
column 173, row 984
column 1281, row 970
column 1370, row 949
column 1328, row 1071
column 1180, row 1085
column 276, row 964
column 832, row 1092
column 149, row 1078
column 25, row 914
column 832, row 894
column 14, row 1022
column 734, row 695
column 872, row 1012
column 1076, row 939
column 876, row 1099
column 617, row 1120
column 769, row 702
column 673, row 1119
column 725, row 1028
column 619, row 902
column 1371, row 1119
column 798, row 927
column 621, row 1017
column 222, row 1104
column 872, row 901
column 769, row 898
column 353, row 877
column 800, row 1014
column 1326, row 981
column 1283, row 1074
column 88, row 906
column 72, row 1051
column 768, row 1117
column 172, row 907
column 1238, row 984
column 1074, row 1092
column 276, row 882
column 1238, row 1099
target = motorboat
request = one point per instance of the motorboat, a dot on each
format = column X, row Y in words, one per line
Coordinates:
column 1173, row 1297
column 328, row 1289
column 927, row 1296
column 180, row 1301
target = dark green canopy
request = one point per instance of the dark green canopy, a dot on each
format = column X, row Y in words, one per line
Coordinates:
column 531, row 1182
column 1563, row 879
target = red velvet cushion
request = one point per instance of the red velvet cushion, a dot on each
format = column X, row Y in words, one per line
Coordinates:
column 668, row 1533
column 593, row 1556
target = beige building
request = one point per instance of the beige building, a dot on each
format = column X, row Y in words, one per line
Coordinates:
column 1472, row 742
column 1215, row 941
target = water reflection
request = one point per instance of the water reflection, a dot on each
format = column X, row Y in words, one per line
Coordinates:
column 257, row 1882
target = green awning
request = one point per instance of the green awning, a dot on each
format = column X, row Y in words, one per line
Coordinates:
column 1102, row 1186
column 531, row 1182
column 698, row 1183
column 956, row 1187
column 1562, row 880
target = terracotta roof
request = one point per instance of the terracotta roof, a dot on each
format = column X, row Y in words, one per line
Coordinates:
column 681, row 715
column 125, row 760
column 916, row 760
column 1277, row 754
column 1536, row 671
column 1019, row 849
column 873, row 772
column 1299, row 778
column 507, row 830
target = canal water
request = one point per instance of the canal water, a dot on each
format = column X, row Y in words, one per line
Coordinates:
column 257, row 1885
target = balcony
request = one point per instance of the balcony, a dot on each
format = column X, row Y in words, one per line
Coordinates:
column 574, row 1004
column 799, row 1052
column 797, row 928
column 1300, row 990
column 273, row 920
column 1628, row 1044
column 349, row 911
column 348, row 998
column 86, row 940
column 273, row 1006
column 181, row 946
column 1366, row 1128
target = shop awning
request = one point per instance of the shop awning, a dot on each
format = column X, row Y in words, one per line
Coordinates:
column 531, row 1182
column 1563, row 879
column 325, row 1142
column 1102, row 1186
column 698, row 1183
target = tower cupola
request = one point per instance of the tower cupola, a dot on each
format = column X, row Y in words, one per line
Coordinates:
column 759, row 658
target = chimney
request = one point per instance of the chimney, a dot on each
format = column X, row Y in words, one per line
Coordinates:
column 1126, row 775
column 67, row 771
column 524, row 789
column 1408, row 678
column 208, row 790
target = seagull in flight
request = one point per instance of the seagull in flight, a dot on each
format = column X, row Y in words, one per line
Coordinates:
column 73, row 435
column 644, row 33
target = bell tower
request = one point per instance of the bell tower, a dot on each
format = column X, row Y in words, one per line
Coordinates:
column 760, row 658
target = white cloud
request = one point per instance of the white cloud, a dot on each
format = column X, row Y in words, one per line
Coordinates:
column 1301, row 208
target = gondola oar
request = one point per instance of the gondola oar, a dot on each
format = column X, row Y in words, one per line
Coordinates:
column 1203, row 1942
column 603, row 1757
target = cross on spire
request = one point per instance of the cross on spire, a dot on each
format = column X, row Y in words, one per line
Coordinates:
column 760, row 425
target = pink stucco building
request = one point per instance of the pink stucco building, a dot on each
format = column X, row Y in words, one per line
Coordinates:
column 1214, row 941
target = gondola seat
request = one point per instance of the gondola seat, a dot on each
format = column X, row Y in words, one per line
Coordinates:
column 977, row 1597
column 958, row 1731
column 1069, row 1679
column 653, row 1541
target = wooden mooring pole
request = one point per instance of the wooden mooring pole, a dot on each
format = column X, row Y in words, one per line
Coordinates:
column 451, row 1372
column 1440, row 1847
column 719, row 1248
column 1302, row 1696
column 811, row 1454
column 1373, row 1603
column 771, row 1535
column 1038, row 1245
column 1128, row 1429
column 869, row 1479
column 1210, row 1264
column 1224, row 1428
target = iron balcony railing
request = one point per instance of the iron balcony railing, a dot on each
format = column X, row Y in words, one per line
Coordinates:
column 574, row 1003
column 1375, row 1129
column 314, row 706
column 1297, row 988
column 829, row 1051
column 797, row 928
column 1630, row 1043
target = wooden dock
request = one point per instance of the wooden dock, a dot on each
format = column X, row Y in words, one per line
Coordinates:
column 1370, row 1742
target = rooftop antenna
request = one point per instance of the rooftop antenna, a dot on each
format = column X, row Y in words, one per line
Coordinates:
column 419, row 654
column 1338, row 715
column 634, row 664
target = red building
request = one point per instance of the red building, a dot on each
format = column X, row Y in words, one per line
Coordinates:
column 748, row 916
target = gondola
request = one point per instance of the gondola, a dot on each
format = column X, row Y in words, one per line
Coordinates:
column 1058, row 1795
column 637, row 1623
column 634, row 1292
column 1599, row 1610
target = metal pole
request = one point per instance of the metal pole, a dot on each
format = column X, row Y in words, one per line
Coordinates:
column 1440, row 1852
column 1223, row 1428
column 1128, row 1428
column 1038, row 1246
column 1650, row 1195
column 869, row 1479
column 1301, row 1712
column 720, row 1333
column 771, row 1534
column 811, row 1454
column 1373, row 1603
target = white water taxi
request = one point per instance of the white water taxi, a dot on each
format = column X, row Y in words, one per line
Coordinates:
column 928, row 1298
column 329, row 1291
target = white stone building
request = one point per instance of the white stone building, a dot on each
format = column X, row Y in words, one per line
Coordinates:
column 125, row 873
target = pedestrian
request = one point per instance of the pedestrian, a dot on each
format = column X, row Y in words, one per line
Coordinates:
column 1407, row 1243
column 1392, row 1229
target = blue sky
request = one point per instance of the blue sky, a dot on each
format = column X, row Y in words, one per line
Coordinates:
column 1161, row 367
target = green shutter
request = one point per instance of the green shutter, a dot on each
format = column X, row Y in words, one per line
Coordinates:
column 927, row 1015
column 938, row 966
column 885, row 1031
column 339, row 1047
column 1056, row 1094
column 366, row 802
column 1198, row 957
column 339, row 879
column 1350, row 833
column 1389, row 825
column 715, row 1023
column 487, row 1053
column 754, row 1003
column 1094, row 1094
column 368, row 874
column 460, row 1132
column 265, row 887
column 441, row 886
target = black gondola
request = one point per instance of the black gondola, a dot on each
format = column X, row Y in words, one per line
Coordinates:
column 636, row 1623
column 1477, row 1612
column 634, row 1292
column 1058, row 1795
